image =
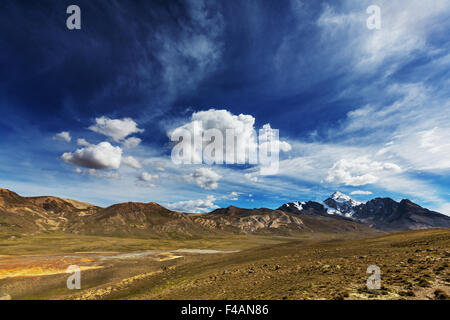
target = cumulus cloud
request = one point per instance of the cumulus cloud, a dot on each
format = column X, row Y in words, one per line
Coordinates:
column 205, row 178
column 100, row 156
column 360, row 171
column 240, row 126
column 131, row 162
column 194, row 206
column 285, row 146
column 63, row 136
column 147, row 177
column 360, row 192
column 131, row 142
column 117, row 129
column 270, row 136
column 82, row 142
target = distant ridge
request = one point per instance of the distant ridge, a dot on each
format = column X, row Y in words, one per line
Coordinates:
column 380, row 213
column 337, row 214
column 133, row 219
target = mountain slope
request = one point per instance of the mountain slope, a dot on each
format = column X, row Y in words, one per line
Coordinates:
column 20, row 215
column 256, row 220
column 337, row 214
column 27, row 214
column 389, row 215
column 137, row 219
column 310, row 207
column 62, row 206
column 341, row 204
column 264, row 220
column 380, row 213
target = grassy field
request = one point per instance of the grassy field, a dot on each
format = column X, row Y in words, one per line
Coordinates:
column 414, row 265
column 55, row 243
column 59, row 242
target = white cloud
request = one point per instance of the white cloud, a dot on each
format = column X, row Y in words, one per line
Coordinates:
column 444, row 208
column 82, row 142
column 131, row 162
column 427, row 150
column 413, row 130
column 194, row 206
column 360, row 171
column 106, row 175
column 405, row 124
column 205, row 178
column 101, row 156
column 194, row 52
column 233, row 196
column 63, row 136
column 131, row 142
column 98, row 174
column 269, row 135
column 393, row 44
column 360, row 192
column 285, row 146
column 253, row 177
column 313, row 161
column 223, row 120
column 117, row 129
column 147, row 177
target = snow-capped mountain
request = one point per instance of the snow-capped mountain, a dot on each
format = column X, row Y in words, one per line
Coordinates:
column 341, row 204
column 310, row 207
column 380, row 213
column 337, row 204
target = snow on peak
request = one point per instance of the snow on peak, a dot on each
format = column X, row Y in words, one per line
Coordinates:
column 299, row 205
column 342, row 198
column 340, row 204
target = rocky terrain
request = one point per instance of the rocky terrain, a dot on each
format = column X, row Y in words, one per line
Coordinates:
column 38, row 214
column 336, row 214
column 380, row 213
column 303, row 250
column 413, row 265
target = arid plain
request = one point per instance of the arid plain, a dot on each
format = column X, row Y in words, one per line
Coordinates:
column 144, row 251
column 414, row 265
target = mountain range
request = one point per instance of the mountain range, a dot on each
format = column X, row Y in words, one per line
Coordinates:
column 379, row 213
column 337, row 214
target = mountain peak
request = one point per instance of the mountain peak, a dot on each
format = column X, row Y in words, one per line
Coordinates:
column 339, row 196
column 10, row 197
column 341, row 204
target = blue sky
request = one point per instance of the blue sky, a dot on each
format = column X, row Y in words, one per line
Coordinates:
column 364, row 111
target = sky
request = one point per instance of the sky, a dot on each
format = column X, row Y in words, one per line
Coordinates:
column 87, row 114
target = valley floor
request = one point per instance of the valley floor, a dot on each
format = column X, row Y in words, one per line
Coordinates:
column 414, row 265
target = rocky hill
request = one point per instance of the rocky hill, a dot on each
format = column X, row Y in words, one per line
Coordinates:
column 380, row 213
column 131, row 219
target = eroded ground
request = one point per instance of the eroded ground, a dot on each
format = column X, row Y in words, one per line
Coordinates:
column 414, row 265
